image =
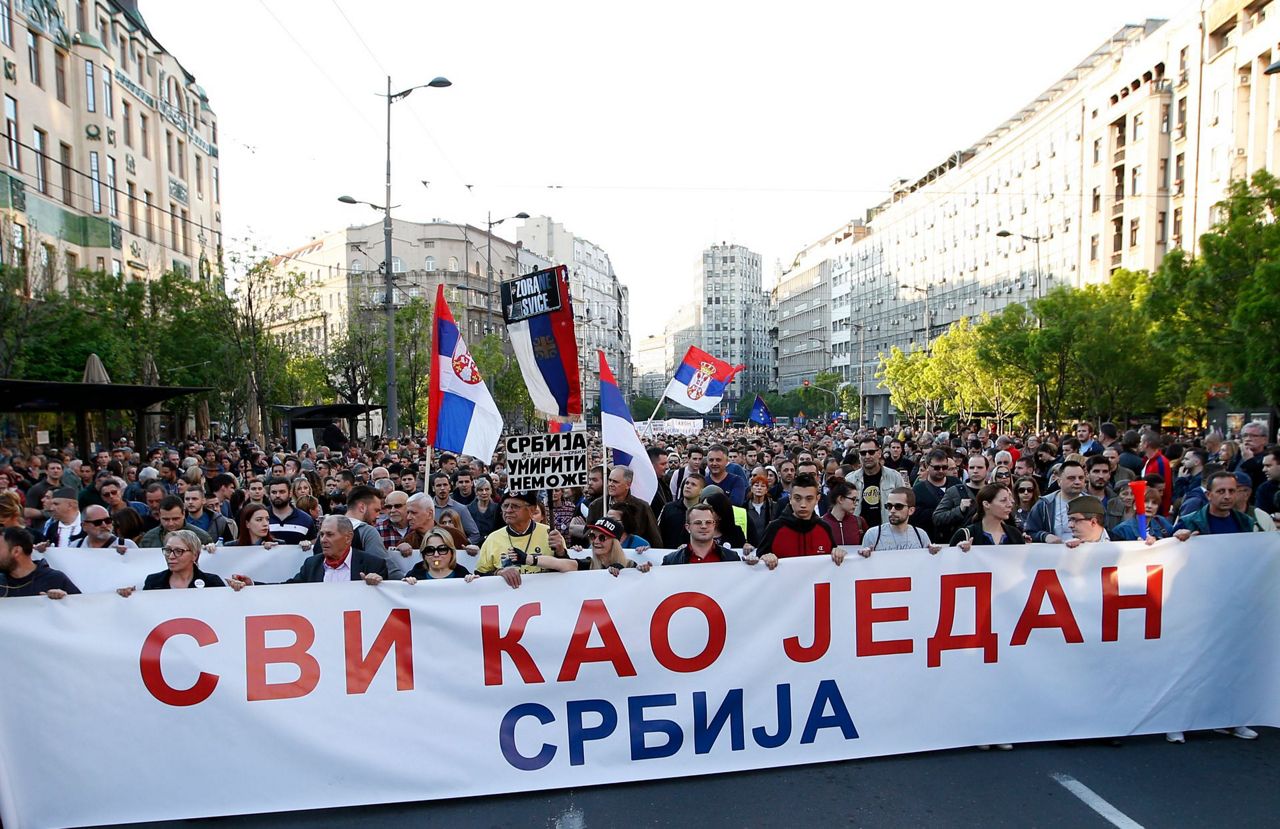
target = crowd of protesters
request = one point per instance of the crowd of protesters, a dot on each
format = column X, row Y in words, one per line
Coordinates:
column 750, row 495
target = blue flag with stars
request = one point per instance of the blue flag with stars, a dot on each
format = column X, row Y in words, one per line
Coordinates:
column 760, row 413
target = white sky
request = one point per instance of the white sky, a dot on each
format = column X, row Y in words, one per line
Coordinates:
column 667, row 126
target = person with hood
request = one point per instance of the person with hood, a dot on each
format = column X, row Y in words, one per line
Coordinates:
column 799, row 533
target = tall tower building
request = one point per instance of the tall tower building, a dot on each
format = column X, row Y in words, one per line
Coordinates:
column 733, row 316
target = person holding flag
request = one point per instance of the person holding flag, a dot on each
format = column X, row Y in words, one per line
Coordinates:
column 618, row 433
column 462, row 417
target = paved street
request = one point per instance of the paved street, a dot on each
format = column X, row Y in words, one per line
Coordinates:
column 1212, row 780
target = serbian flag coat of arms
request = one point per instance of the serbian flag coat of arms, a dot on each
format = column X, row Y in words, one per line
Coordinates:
column 700, row 380
column 462, row 416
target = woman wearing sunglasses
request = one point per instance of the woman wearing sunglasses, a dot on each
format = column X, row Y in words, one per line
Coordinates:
column 439, row 559
column 1026, row 492
column 181, row 552
column 606, row 552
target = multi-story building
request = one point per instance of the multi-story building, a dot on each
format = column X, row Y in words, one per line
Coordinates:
column 801, row 320
column 315, row 290
column 1120, row 161
column 728, row 287
column 110, row 155
column 650, row 366
column 601, row 303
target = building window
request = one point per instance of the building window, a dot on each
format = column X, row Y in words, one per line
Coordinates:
column 1163, row 176
column 33, row 59
column 186, row 233
column 1177, row 225
column 430, row 264
column 95, row 189
column 108, row 95
column 1164, row 119
column 112, row 202
column 11, row 132
column 199, row 176
column 117, row 267
column 173, row 226
column 148, row 215
column 1162, row 221
column 1133, row 233
column 60, row 75
column 90, row 90
column 453, row 263
column 133, row 207
column 357, row 266
column 6, row 23
column 1093, row 248
column 64, row 161
column 41, row 141
column 82, row 16
column 1139, row 128
column 217, row 193
column 144, row 134
column 182, row 159
column 1097, row 150
column 1182, row 113
column 1097, row 199
column 1135, row 180
column 126, row 116
column 168, row 149
column 397, row 266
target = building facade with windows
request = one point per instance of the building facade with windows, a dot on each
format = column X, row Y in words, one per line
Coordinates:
column 734, row 307
column 313, row 292
column 601, row 303
column 1119, row 162
column 110, row 155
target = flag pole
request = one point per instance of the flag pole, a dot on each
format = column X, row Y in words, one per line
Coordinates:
column 649, row 423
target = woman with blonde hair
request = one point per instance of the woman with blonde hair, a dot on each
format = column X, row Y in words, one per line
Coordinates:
column 439, row 559
column 10, row 510
column 451, row 522
column 606, row 552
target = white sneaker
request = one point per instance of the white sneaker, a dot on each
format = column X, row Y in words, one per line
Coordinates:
column 1244, row 732
column 1176, row 737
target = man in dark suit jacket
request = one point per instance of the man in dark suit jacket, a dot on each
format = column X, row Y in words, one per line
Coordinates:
column 336, row 561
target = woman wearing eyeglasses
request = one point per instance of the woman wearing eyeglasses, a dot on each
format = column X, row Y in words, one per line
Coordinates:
column 1026, row 492
column 181, row 553
column 439, row 559
column 606, row 552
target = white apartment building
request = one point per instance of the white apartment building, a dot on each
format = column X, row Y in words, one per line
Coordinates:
column 110, row 158
column 734, row 307
column 601, row 303
column 316, row 289
column 1120, row 161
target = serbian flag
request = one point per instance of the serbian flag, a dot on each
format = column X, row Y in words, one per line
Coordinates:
column 700, row 380
column 557, row 426
column 618, row 432
column 462, row 416
column 547, row 350
column 760, row 412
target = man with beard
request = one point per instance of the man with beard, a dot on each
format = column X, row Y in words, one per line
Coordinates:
column 20, row 576
column 1047, row 521
column 959, row 505
column 899, row 533
column 289, row 525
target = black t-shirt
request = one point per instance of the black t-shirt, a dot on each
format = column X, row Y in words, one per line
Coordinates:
column 43, row 579
column 871, row 498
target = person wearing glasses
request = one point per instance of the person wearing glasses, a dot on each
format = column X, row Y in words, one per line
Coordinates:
column 439, row 559
column 99, row 532
column 994, row 525
column 899, row 533
column 873, row 479
column 1026, row 492
column 604, row 536
column 929, row 488
column 181, row 552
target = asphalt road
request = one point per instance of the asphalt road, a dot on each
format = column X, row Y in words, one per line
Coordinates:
column 1212, row 780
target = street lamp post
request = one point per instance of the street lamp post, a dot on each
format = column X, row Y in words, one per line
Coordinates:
column 392, row 426
column 928, row 324
column 488, row 262
column 862, row 369
column 1035, row 295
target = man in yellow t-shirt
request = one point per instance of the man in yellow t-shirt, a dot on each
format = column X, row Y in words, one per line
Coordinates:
column 514, row 547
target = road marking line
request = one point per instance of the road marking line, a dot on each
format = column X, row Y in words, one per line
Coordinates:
column 1091, row 799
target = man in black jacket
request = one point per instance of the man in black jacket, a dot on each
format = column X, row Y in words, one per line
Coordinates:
column 336, row 561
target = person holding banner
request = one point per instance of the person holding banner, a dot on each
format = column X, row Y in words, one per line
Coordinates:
column 20, row 576
column 516, row 547
column 606, row 552
column 439, row 559
column 336, row 561
column 994, row 525
column 181, row 552
column 255, row 528
column 701, row 523
column 1157, row 525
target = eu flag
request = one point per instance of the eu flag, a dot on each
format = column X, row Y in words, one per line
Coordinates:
column 760, row 413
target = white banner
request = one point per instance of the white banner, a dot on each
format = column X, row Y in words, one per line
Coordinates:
column 97, row 571
column 670, row 426
column 311, row 696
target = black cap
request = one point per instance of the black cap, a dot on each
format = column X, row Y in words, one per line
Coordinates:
column 530, row 498
column 609, row 527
